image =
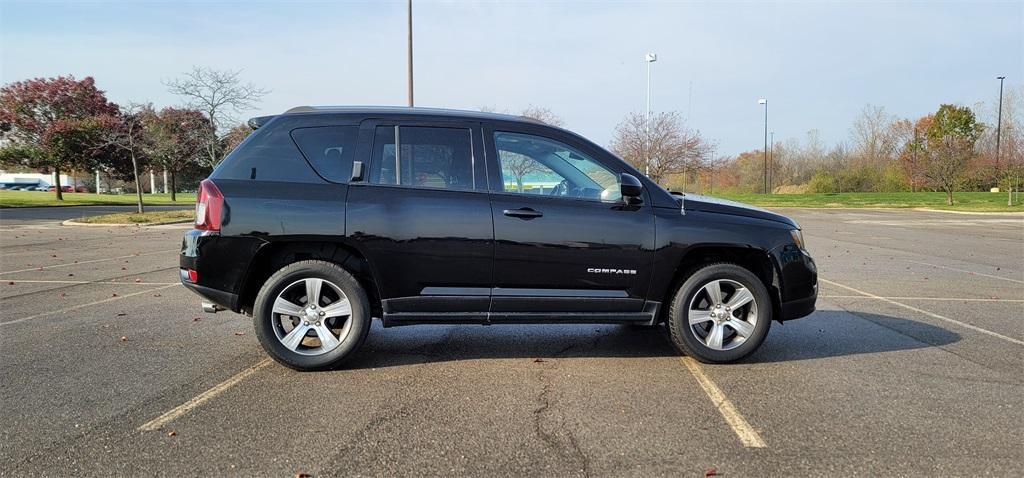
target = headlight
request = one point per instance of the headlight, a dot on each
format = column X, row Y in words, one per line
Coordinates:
column 798, row 238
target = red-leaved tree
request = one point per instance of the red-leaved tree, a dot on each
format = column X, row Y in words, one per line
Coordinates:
column 45, row 120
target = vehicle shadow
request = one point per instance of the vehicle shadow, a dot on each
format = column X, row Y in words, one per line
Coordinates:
column 825, row 334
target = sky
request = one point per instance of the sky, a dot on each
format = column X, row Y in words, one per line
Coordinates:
column 817, row 63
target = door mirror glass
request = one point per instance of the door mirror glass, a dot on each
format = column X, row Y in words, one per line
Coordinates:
column 631, row 188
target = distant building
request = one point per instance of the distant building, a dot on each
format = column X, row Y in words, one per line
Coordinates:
column 32, row 178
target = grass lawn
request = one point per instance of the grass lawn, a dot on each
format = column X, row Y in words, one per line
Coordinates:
column 154, row 217
column 41, row 198
column 968, row 201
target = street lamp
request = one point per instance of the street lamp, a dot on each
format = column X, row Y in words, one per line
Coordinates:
column 999, row 128
column 409, row 59
column 999, row 118
column 764, row 101
column 648, row 58
column 771, row 161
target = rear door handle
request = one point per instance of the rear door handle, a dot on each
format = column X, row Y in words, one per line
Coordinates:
column 523, row 213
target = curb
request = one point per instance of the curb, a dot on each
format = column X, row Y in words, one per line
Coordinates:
column 981, row 213
column 72, row 222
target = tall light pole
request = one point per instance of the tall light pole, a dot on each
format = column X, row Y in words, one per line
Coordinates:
column 771, row 161
column 999, row 129
column 764, row 101
column 999, row 119
column 410, row 51
column 648, row 58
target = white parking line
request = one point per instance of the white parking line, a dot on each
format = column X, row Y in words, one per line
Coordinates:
column 970, row 272
column 170, row 415
column 55, row 266
column 748, row 436
column 925, row 312
column 947, row 299
column 16, row 281
column 76, row 307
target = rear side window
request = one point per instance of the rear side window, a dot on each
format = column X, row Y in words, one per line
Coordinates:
column 329, row 149
column 426, row 157
column 268, row 154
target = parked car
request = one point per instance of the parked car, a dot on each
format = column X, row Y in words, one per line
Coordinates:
column 326, row 217
column 81, row 189
column 63, row 189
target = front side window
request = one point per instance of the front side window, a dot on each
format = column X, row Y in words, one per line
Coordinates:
column 426, row 157
column 538, row 165
column 329, row 149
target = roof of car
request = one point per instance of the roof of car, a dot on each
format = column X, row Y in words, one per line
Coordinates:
column 405, row 110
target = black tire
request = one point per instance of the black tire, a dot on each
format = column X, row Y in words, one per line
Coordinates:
column 684, row 337
column 263, row 316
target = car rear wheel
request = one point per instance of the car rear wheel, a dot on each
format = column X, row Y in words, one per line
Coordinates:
column 720, row 314
column 311, row 315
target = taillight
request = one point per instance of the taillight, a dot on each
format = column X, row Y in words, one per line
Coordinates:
column 209, row 204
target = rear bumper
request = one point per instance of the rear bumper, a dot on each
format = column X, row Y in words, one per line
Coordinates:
column 224, row 299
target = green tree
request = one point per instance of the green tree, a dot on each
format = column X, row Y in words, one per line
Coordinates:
column 951, row 137
column 46, row 123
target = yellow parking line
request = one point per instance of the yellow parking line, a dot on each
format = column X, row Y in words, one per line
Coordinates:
column 158, row 422
column 925, row 312
column 748, row 436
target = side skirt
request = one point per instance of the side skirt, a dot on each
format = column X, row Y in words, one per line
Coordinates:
column 648, row 316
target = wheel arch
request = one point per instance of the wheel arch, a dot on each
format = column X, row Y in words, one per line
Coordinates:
column 756, row 260
column 275, row 255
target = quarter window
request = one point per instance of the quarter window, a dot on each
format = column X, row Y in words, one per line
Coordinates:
column 537, row 165
column 329, row 150
column 427, row 157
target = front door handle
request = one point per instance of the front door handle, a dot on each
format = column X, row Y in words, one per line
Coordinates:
column 523, row 213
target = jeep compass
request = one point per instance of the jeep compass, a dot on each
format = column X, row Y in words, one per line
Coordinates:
column 325, row 217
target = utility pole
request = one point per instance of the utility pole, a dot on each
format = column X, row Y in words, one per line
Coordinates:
column 410, row 51
column 764, row 101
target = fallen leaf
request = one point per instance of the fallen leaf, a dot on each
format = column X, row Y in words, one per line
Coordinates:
column 239, row 333
column 196, row 319
column 53, row 255
column 114, row 294
column 124, row 338
column 710, row 472
column 303, row 475
column 124, row 268
column 138, row 280
column 121, row 314
column 157, row 295
column 538, row 360
column 63, row 295
column 10, row 283
column 71, row 275
column 172, row 433
column 994, row 297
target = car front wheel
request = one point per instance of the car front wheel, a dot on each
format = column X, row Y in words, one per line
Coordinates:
column 311, row 315
column 720, row 314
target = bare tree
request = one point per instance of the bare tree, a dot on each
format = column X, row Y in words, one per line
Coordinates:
column 128, row 136
column 221, row 95
column 543, row 115
column 667, row 147
column 873, row 140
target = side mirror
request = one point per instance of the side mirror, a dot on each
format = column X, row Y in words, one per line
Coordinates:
column 357, row 171
column 631, row 187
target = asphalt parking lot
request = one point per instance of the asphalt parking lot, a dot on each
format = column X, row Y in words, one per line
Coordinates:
column 912, row 365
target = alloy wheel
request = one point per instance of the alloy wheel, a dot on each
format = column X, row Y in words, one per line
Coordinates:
column 311, row 316
column 722, row 314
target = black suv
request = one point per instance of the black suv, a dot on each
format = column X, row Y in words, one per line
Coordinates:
column 325, row 217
